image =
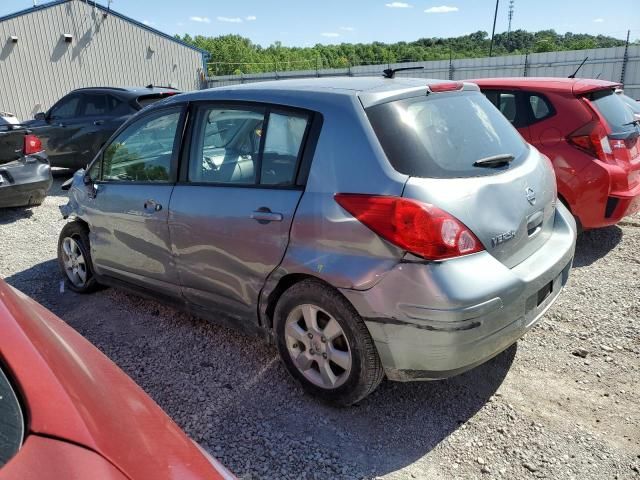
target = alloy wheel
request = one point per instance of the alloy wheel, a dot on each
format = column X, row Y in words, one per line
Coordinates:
column 74, row 262
column 318, row 346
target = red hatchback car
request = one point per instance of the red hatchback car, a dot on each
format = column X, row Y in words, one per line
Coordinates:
column 67, row 412
column 588, row 132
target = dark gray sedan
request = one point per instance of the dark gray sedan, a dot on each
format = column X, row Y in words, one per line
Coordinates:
column 74, row 129
column 25, row 175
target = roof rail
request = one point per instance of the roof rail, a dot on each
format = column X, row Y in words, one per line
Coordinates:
column 100, row 88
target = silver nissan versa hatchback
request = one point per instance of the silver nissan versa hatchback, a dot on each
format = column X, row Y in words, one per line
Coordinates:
column 369, row 227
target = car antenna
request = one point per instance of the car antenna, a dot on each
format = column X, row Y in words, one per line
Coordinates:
column 573, row 75
column 391, row 72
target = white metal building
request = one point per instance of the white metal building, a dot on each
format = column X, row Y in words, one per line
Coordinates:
column 50, row 49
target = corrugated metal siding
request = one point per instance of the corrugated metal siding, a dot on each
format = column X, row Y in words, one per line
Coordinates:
column 603, row 63
column 41, row 67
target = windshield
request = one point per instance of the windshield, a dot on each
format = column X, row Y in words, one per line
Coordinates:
column 11, row 421
column 615, row 111
column 442, row 135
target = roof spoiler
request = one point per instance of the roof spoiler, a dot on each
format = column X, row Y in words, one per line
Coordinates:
column 584, row 87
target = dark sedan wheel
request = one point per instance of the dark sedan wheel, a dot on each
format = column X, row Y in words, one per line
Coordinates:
column 74, row 258
column 325, row 345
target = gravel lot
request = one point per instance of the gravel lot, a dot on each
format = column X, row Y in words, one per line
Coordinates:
column 563, row 403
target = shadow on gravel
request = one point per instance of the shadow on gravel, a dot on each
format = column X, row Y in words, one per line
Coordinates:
column 402, row 422
column 38, row 281
column 230, row 393
column 593, row 245
column 10, row 215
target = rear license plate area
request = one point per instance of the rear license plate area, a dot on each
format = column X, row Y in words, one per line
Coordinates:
column 544, row 293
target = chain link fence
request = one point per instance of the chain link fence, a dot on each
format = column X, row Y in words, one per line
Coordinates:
column 619, row 64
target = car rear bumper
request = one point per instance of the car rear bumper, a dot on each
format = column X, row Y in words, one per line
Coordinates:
column 24, row 183
column 623, row 204
column 435, row 320
column 598, row 203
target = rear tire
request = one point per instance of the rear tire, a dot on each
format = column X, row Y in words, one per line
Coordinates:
column 74, row 258
column 325, row 345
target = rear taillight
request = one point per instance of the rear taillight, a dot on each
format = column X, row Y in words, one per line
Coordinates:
column 419, row 228
column 32, row 144
column 593, row 139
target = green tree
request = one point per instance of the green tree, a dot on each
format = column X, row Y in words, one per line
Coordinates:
column 234, row 54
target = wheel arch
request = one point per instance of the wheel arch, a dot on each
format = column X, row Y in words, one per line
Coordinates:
column 81, row 221
column 284, row 283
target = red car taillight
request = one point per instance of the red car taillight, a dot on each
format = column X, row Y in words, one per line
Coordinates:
column 32, row 144
column 593, row 139
column 419, row 228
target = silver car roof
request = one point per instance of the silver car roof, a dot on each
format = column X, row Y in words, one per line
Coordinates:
column 370, row 90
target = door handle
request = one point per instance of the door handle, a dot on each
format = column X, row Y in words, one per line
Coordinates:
column 265, row 215
column 98, row 122
column 152, row 206
column 62, row 125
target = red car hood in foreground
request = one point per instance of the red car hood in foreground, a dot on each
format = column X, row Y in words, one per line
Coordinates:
column 85, row 417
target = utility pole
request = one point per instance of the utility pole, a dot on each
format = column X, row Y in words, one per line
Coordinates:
column 625, row 58
column 510, row 18
column 493, row 32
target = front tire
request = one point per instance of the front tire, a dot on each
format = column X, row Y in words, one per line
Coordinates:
column 74, row 258
column 325, row 345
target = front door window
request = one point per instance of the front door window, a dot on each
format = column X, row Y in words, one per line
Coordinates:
column 143, row 152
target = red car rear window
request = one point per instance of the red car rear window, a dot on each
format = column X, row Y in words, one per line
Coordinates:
column 613, row 108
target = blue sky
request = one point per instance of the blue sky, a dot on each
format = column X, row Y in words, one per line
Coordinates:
column 306, row 22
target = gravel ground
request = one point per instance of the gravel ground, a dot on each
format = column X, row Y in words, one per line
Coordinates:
column 563, row 403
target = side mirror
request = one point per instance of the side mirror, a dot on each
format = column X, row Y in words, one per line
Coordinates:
column 40, row 116
column 92, row 188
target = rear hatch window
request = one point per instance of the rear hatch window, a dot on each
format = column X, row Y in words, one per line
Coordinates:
column 614, row 110
column 441, row 135
column 11, row 421
column 633, row 105
column 146, row 100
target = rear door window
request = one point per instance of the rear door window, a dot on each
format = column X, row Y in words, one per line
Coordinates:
column 617, row 114
column 512, row 104
column 101, row 105
column 282, row 148
column 226, row 145
column 96, row 105
column 247, row 145
column 540, row 108
column 442, row 135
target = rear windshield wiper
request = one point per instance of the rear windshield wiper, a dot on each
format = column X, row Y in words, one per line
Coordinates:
column 494, row 161
column 632, row 122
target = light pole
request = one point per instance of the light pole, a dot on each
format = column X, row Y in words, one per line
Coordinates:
column 495, row 16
